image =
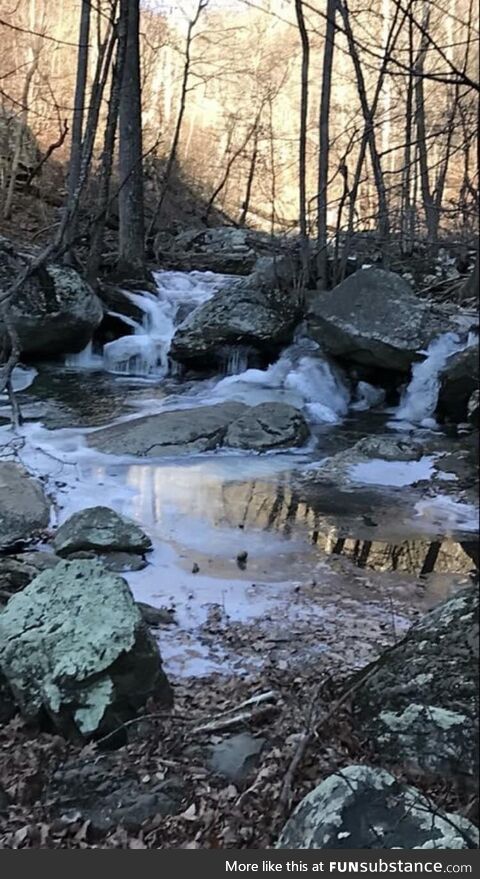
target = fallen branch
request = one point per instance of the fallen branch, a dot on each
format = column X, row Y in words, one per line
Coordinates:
column 222, row 723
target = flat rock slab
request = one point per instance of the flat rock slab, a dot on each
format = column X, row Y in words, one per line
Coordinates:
column 187, row 431
column 373, row 318
column 24, row 509
column 364, row 808
column 102, row 530
column 74, row 647
column 418, row 704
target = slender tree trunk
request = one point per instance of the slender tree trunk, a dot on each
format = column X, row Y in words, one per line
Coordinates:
column 131, row 250
column 302, row 156
column 251, row 175
column 406, row 206
column 106, row 162
column 233, row 158
column 181, row 112
column 368, row 115
column 324, row 147
column 78, row 112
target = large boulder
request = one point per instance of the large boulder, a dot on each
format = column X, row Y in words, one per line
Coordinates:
column 417, row 704
column 74, row 648
column 224, row 249
column 55, row 311
column 458, row 381
column 373, row 318
column 244, row 313
column 364, row 808
column 102, row 530
column 24, row 509
column 187, row 431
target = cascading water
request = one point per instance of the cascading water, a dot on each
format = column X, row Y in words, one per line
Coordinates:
column 420, row 397
column 301, row 377
column 145, row 351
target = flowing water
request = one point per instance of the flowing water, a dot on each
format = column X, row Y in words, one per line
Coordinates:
column 203, row 511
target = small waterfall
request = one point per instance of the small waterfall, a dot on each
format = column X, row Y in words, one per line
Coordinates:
column 302, row 376
column 145, row 352
column 234, row 359
column 420, row 397
column 85, row 359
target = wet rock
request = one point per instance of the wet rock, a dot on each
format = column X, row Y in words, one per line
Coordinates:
column 268, row 426
column 225, row 249
column 235, row 757
column 364, row 808
column 186, row 431
column 117, row 562
column 17, row 571
column 102, row 530
column 155, row 617
column 459, row 380
column 241, row 314
column 55, row 312
column 371, row 448
column 24, row 509
column 418, row 703
column 74, row 648
column 373, row 318
column 102, row 792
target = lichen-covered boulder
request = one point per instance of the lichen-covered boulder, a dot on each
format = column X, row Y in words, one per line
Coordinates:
column 24, row 509
column 241, row 314
column 102, row 530
column 55, row 311
column 458, row 381
column 74, row 648
column 364, row 808
column 373, row 318
column 418, row 703
column 268, row 426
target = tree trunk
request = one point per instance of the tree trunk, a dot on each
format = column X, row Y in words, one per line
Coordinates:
column 302, row 158
column 251, row 175
column 131, row 249
column 78, row 113
column 324, row 147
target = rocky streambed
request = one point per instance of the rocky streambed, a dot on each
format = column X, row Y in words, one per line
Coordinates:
column 271, row 504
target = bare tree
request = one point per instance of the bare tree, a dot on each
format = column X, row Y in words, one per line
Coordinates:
column 131, row 246
column 302, row 157
column 324, row 146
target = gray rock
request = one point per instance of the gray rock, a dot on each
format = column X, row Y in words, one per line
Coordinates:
column 24, row 509
column 156, row 616
column 55, row 312
column 102, row 792
column 17, row 571
column 418, row 703
column 235, row 757
column 458, row 381
column 374, row 318
column 187, row 431
column 364, row 808
column 73, row 646
column 102, row 530
column 242, row 314
column 268, row 426
column 117, row 562
column 7, row 702
column 171, row 433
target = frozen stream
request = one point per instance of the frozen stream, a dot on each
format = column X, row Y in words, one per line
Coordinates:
column 203, row 511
